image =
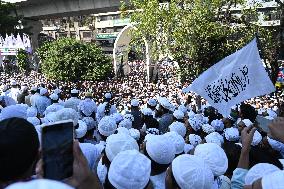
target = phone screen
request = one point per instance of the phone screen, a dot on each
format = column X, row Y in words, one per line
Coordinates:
column 57, row 150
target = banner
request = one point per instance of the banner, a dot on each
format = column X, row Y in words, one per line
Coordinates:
column 236, row 78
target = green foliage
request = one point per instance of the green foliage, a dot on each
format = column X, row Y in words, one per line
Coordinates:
column 23, row 60
column 67, row 59
column 197, row 33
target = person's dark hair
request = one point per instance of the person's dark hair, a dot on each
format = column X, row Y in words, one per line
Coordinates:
column 38, row 90
column 233, row 152
column 262, row 155
column 54, row 101
column 19, row 146
column 33, row 92
column 210, row 112
column 248, row 112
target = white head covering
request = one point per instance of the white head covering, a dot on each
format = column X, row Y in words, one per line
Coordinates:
column 187, row 148
column 43, row 91
column 165, row 103
column 218, row 125
column 117, row 117
column 108, row 95
column 147, row 112
column 81, row 130
column 191, row 171
column 134, row 102
column 57, row 91
column 208, row 128
column 123, row 130
column 67, row 113
column 214, row 138
column 247, row 122
column 134, row 133
column 39, row 184
column 33, row 120
column 31, row 112
column 214, row 156
column 54, row 96
column 273, row 180
column 256, row 138
column 178, row 127
column 177, row 140
column 74, row 91
column 13, row 82
column 232, row 134
column 90, row 122
column 258, row 171
column 178, row 114
column 276, row 145
column 153, row 131
column 129, row 169
column 160, row 149
column 13, row 111
column 107, row 126
column 125, row 123
column 194, row 139
column 34, row 89
column 117, row 143
column 152, row 102
column 194, row 123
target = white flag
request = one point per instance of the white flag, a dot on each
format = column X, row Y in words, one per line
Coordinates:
column 234, row 79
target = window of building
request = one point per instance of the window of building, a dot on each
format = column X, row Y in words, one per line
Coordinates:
column 118, row 29
column 87, row 34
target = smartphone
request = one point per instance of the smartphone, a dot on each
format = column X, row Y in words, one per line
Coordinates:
column 57, row 150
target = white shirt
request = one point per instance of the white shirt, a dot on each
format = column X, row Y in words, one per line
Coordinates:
column 158, row 181
column 87, row 106
column 53, row 108
column 14, row 93
column 73, row 103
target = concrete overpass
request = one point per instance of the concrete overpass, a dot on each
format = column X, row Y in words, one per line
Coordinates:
column 42, row 9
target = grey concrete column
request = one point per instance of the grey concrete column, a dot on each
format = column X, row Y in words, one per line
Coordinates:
column 36, row 29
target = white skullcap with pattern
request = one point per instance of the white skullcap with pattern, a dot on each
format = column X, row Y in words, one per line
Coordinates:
column 194, row 139
column 178, row 127
column 177, row 140
column 218, row 125
column 107, row 126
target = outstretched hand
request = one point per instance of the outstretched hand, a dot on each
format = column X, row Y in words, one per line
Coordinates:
column 247, row 137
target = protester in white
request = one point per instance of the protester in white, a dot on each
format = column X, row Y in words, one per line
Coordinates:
column 55, row 106
column 74, row 101
column 42, row 102
column 14, row 91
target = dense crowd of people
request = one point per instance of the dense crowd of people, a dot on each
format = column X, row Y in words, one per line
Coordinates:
column 133, row 134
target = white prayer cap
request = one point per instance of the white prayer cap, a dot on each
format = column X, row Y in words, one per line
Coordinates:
column 153, row 131
column 178, row 114
column 191, row 171
column 90, row 122
column 214, row 138
column 57, row 91
column 205, row 120
column 147, row 112
column 247, row 122
column 152, row 102
column 117, row 117
column 108, row 95
column 23, row 88
column 39, row 184
column 125, row 123
column 43, row 91
column 134, row 133
column 34, row 89
column 107, row 126
column 177, row 140
column 276, row 145
column 50, row 117
column 271, row 113
column 258, row 171
column 128, row 116
column 214, row 156
column 160, row 149
column 33, row 120
column 123, row 130
column 81, row 130
column 134, row 102
column 13, row 111
column 13, row 82
column 232, row 134
column 54, row 96
column 273, row 180
column 74, row 91
column 129, row 169
column 194, row 139
column 178, row 127
column 260, row 111
column 208, row 128
column 182, row 108
column 66, row 114
column 31, row 112
column 218, row 125
column 256, row 138
column 117, row 143
column 165, row 103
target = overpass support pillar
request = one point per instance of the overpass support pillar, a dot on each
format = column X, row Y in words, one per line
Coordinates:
column 36, row 28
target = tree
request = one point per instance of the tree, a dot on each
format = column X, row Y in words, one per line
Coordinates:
column 196, row 33
column 281, row 29
column 67, row 59
column 23, row 60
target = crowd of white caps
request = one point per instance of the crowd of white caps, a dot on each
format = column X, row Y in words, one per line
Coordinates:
column 145, row 139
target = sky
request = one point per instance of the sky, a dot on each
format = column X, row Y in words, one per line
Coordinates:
column 12, row 1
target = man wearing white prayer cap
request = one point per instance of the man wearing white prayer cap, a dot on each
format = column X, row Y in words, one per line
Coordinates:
column 74, row 101
column 258, row 171
column 88, row 107
column 106, row 127
column 129, row 169
column 42, row 102
column 161, row 151
column 178, row 116
column 214, row 138
column 194, row 139
column 35, row 94
column 125, row 123
column 135, row 111
column 32, row 116
column 189, row 172
column 106, row 108
column 178, row 127
column 40, row 184
column 177, row 140
column 55, row 106
column 13, row 111
column 214, row 156
column 232, row 134
column 218, row 125
column 152, row 103
column 165, row 108
column 15, row 91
